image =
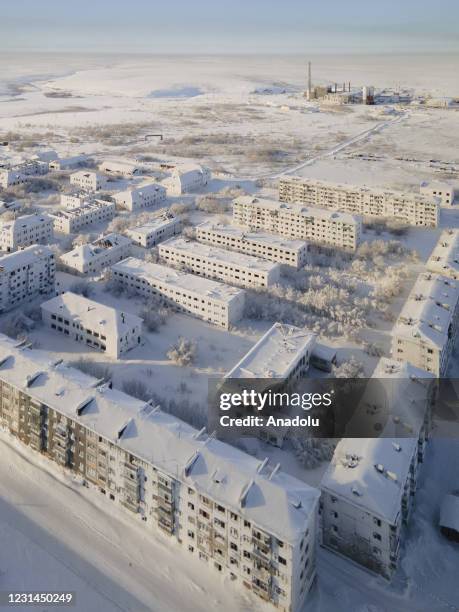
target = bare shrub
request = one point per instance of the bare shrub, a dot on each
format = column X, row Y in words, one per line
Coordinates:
column 137, row 389
column 92, row 368
column 183, row 352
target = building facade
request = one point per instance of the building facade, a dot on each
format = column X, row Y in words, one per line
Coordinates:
column 444, row 191
column 75, row 219
column 444, row 259
column 88, row 180
column 142, row 196
column 26, row 274
column 258, row 244
column 410, row 208
column 25, row 231
column 214, row 302
column 316, row 225
column 10, row 178
column 97, row 326
column 186, row 178
column 155, row 231
column 227, row 266
column 221, row 505
column 93, row 258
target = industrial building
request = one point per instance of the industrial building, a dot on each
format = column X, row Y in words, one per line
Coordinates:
column 26, row 274
column 316, row 225
column 25, row 231
column 411, row 208
column 88, row 259
column 211, row 262
column 444, row 259
column 221, row 505
column 426, row 328
column 214, row 302
column 155, row 231
column 88, row 180
column 93, row 324
column 75, row 219
column 259, row 244
column 141, row 196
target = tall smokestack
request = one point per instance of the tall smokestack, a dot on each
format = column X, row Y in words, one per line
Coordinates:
column 309, row 81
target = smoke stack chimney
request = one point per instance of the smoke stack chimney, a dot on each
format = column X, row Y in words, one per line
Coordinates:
column 349, row 86
column 309, row 81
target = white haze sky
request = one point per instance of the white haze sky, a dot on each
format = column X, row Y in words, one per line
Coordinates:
column 230, row 26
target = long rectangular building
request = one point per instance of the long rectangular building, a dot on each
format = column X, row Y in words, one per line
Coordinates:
column 444, row 259
column 155, row 231
column 235, row 515
column 227, row 266
column 426, row 328
column 411, row 208
column 331, row 229
column 75, row 219
column 209, row 300
column 26, row 274
column 25, row 231
column 88, row 259
column 259, row 244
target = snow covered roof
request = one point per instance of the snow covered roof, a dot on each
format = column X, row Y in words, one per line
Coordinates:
column 88, row 252
column 119, row 166
column 197, row 285
column 159, row 222
column 438, row 185
column 371, row 473
column 25, row 221
column 243, row 234
column 183, row 170
column 275, row 354
column 86, row 174
column 273, row 500
column 198, row 249
column 298, row 209
column 428, row 312
column 84, row 209
column 444, row 259
column 93, row 315
column 27, row 256
column 139, row 190
column 449, row 512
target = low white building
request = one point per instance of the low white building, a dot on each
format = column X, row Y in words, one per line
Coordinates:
column 426, row 328
column 25, row 231
column 69, row 163
column 26, row 274
column 442, row 190
column 155, row 231
column 214, row 302
column 411, row 208
column 316, row 225
column 444, row 259
column 141, row 196
column 259, row 244
column 32, row 167
column 76, row 199
column 75, row 219
column 88, row 180
column 186, row 178
column 10, row 178
column 122, row 168
column 88, row 259
column 97, row 326
column 211, row 262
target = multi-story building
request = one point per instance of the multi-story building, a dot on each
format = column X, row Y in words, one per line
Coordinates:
column 155, row 231
column 141, row 196
column 259, row 244
column 10, row 178
column 444, row 259
column 88, row 259
column 331, row 229
column 32, row 167
column 410, row 208
column 186, row 178
column 88, row 180
column 441, row 190
column 121, row 168
column 220, row 504
column 208, row 300
column 25, row 231
column 227, row 266
column 97, row 326
column 75, row 219
column 26, row 274
column 68, row 163
column 76, row 199
column 426, row 328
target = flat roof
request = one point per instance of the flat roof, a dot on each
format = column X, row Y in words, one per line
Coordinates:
column 78, row 211
column 197, row 285
column 24, row 221
column 273, row 500
column 275, row 354
column 25, row 257
column 163, row 220
column 445, row 256
column 262, row 237
column 87, row 252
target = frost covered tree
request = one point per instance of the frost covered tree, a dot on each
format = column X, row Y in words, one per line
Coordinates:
column 349, row 369
column 183, row 352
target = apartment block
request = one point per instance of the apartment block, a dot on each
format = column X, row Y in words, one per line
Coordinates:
column 32, row 167
column 141, row 196
column 155, row 231
column 411, row 208
column 444, row 259
column 331, row 229
column 25, row 231
column 221, row 505
column 88, row 180
column 259, row 244
column 26, row 274
column 10, row 178
column 74, row 220
column 442, row 190
column 426, row 328
column 76, row 199
column 214, row 302
column 186, row 178
column 88, row 259
column 97, row 326
column 227, row 266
